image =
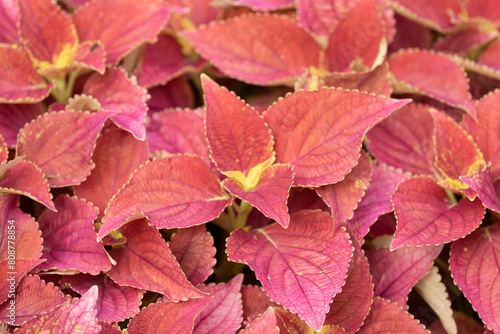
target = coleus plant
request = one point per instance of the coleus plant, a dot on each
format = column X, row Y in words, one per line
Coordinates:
column 349, row 186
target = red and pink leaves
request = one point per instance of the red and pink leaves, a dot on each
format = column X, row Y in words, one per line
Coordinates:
column 475, row 269
column 177, row 191
column 259, row 49
column 319, row 133
column 305, row 279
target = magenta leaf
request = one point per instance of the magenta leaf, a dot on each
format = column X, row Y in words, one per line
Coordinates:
column 33, row 297
column 13, row 117
column 193, row 248
column 73, row 316
column 177, row 191
column 14, row 272
column 320, row 132
column 306, row 199
column 69, row 238
column 482, row 183
column 9, row 16
column 425, row 215
column 4, row 151
column 117, row 155
column 117, row 93
column 475, row 269
column 265, row 323
column 377, row 199
column 465, row 324
column 270, row 195
column 258, row 49
column 255, row 301
column 165, row 316
column 264, row 5
column 394, row 273
column 386, row 317
column 464, row 40
column 291, row 276
column 321, row 17
column 146, row 262
column 223, row 314
column 107, row 328
column 176, row 93
column 291, row 323
column 114, row 302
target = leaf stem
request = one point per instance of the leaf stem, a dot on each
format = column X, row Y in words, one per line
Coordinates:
column 451, row 197
column 243, row 211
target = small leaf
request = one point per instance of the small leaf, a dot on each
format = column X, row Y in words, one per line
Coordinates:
column 464, row 40
column 177, row 191
column 482, row 183
column 255, row 301
column 265, row 323
column 146, row 262
column 14, row 272
column 291, row 323
column 61, row 144
column 320, row 132
column 425, row 215
column 304, row 279
column 478, row 253
column 259, row 49
column 13, row 117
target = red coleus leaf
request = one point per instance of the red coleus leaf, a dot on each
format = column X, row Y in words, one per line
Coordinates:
column 377, row 199
column 223, row 314
column 9, row 16
column 61, row 144
column 394, row 273
column 164, row 61
column 69, row 238
column 270, row 195
column 387, row 317
column 193, row 248
column 483, row 9
column 25, row 178
column 176, row 93
column 306, row 199
column 291, row 323
column 291, row 276
column 13, row 117
column 456, row 153
column 165, row 316
column 464, row 40
column 404, row 140
column 255, row 301
column 107, row 328
column 434, row 75
column 426, row 216
column 320, row 132
column 33, row 297
column 351, row 306
column 482, row 183
column 20, row 81
column 358, row 41
column 177, row 191
column 410, row 34
column 72, row 316
column 117, row 93
column 343, row 197
column 4, row 151
column 117, row 155
column 465, row 324
column 265, row 323
column 259, row 49
column 14, row 271
column 489, row 57
column 106, row 21
column 475, row 269
column 20, row 234
column 146, row 262
column 321, row 17
column 264, row 5
column 114, row 302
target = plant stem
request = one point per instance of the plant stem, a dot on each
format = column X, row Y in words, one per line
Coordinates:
column 451, row 197
column 243, row 211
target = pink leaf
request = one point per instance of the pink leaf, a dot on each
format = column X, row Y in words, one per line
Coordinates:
column 394, row 273
column 291, row 323
column 199, row 11
column 69, row 238
column 320, row 132
column 9, row 18
column 474, row 254
column 264, row 5
column 321, row 17
column 464, row 40
column 483, row 9
column 90, row 55
column 146, row 262
column 61, row 144
column 270, row 195
column 343, row 197
column 72, row 316
column 489, row 57
column 377, row 199
column 107, row 328
column 291, row 276
column 114, row 302
column 13, row 117
column 426, row 216
column 404, row 140
column 306, row 199
column 387, row 317
column 4, row 151
column 255, row 301
column 482, row 183
column 165, row 316
column 193, row 248
column 176, row 93
column 117, row 93
column 410, row 34
column 107, row 21
column 223, row 313
column 177, row 191
column 434, row 75
column 265, row 323
column 465, row 324
column 33, row 297
column 20, row 81
column 14, row 271
column 117, row 155
column 259, row 49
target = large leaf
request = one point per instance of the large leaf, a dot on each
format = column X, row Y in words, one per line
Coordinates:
column 146, row 262
column 320, row 132
column 259, row 49
column 474, row 254
column 177, row 191
column 304, row 279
